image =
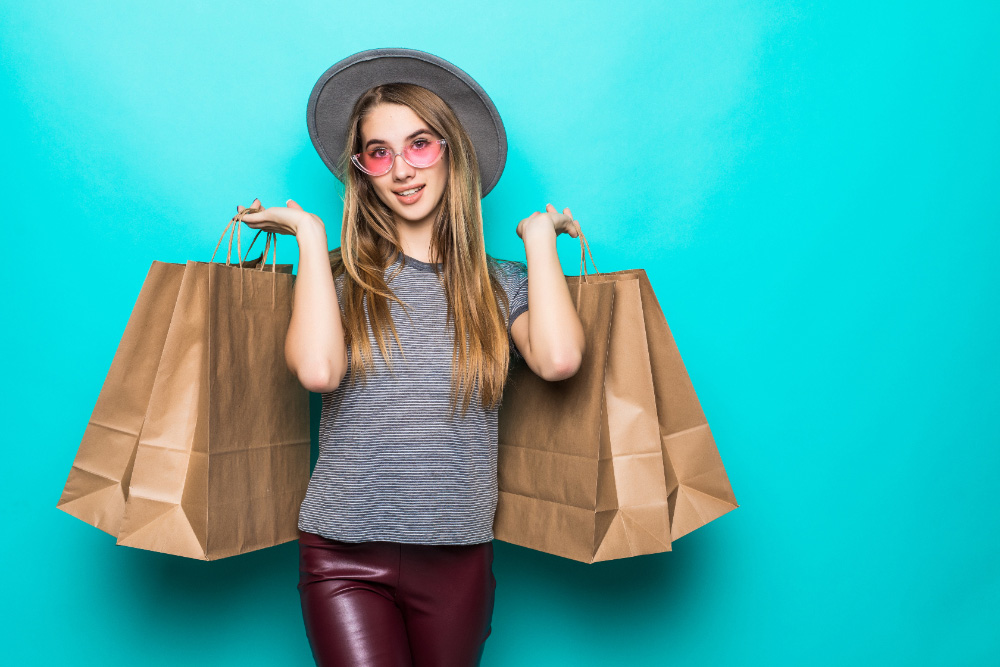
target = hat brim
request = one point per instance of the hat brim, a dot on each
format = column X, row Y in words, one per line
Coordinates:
column 335, row 93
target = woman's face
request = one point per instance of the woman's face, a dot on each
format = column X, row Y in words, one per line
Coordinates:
column 395, row 126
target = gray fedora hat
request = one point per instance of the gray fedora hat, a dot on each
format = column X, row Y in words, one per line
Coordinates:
column 334, row 95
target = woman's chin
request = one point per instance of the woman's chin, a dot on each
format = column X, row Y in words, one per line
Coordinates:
column 412, row 215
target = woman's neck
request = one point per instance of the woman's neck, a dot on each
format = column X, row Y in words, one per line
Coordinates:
column 416, row 241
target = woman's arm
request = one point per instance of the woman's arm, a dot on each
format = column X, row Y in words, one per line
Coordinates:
column 314, row 347
column 549, row 334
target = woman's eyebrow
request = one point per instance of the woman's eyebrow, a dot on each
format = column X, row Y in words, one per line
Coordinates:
column 383, row 141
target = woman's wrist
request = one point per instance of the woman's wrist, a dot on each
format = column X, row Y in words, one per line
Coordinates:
column 536, row 233
column 311, row 230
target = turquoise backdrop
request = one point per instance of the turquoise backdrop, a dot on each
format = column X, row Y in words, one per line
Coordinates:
column 812, row 188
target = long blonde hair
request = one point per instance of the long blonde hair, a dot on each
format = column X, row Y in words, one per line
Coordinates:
column 369, row 243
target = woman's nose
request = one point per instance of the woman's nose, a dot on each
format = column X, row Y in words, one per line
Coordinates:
column 401, row 169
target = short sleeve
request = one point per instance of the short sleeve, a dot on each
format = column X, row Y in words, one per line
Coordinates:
column 516, row 285
column 338, row 285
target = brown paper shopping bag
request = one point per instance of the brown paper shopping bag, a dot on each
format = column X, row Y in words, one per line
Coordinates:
column 617, row 460
column 98, row 481
column 207, row 454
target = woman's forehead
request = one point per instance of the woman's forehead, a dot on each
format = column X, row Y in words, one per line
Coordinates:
column 391, row 122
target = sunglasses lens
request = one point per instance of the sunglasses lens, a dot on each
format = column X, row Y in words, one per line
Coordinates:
column 422, row 152
column 375, row 160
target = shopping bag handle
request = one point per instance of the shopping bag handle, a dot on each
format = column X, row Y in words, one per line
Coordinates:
column 583, row 266
column 268, row 243
column 583, row 261
column 234, row 226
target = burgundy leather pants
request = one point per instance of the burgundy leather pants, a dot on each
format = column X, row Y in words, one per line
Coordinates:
column 381, row 604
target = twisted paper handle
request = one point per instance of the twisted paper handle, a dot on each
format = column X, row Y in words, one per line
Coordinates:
column 583, row 266
column 234, row 226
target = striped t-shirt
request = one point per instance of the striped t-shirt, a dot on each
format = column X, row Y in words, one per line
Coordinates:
column 394, row 464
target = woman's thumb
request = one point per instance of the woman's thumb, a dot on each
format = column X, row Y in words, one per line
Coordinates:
column 291, row 204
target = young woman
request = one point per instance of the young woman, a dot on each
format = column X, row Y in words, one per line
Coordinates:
column 396, row 526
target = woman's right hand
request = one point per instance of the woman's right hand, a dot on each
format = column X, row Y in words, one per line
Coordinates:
column 287, row 219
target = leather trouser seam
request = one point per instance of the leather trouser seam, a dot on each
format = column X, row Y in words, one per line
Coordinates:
column 399, row 573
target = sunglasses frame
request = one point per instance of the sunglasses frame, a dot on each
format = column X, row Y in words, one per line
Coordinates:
column 356, row 158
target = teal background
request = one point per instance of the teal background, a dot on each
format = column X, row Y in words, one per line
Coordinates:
column 812, row 188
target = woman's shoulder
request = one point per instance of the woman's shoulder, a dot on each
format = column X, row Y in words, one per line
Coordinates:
column 511, row 274
column 337, row 266
column 508, row 267
column 336, row 259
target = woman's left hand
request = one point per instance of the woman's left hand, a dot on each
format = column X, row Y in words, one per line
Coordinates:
column 561, row 223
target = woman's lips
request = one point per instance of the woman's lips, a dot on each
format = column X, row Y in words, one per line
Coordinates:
column 411, row 199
